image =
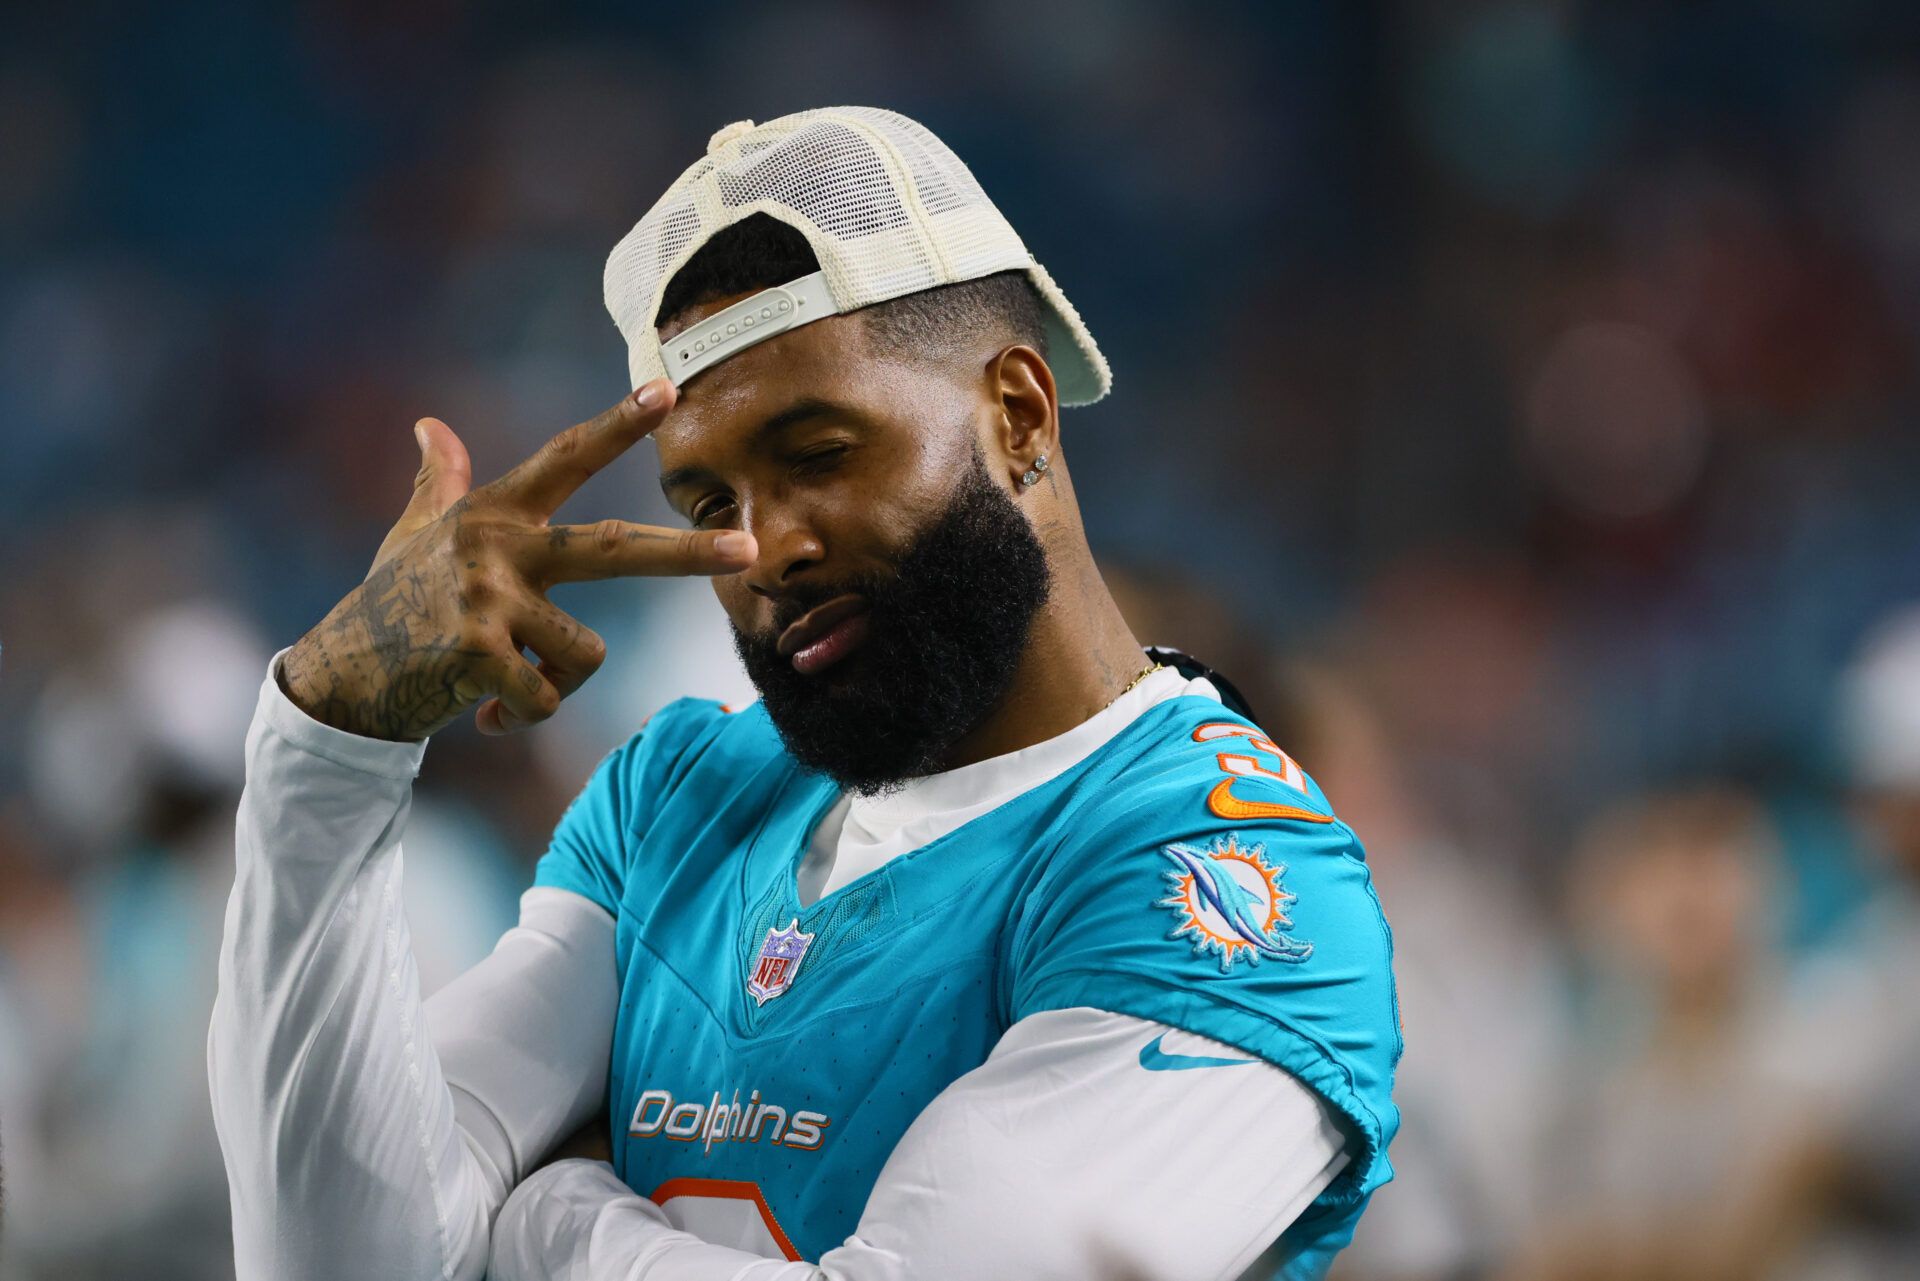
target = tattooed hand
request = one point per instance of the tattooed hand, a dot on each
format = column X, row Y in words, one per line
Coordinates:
column 458, row 589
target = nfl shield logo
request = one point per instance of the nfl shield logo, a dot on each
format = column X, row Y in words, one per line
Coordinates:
column 779, row 962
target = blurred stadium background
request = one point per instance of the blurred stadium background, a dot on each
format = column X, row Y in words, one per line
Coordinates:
column 1518, row 399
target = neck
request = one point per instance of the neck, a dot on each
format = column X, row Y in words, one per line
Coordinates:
column 1080, row 656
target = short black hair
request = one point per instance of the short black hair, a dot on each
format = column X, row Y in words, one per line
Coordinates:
column 760, row 251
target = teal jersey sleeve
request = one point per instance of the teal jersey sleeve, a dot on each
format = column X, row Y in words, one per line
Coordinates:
column 1206, row 893
column 596, row 837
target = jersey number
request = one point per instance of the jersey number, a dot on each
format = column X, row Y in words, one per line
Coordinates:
column 729, row 1212
column 1221, row 799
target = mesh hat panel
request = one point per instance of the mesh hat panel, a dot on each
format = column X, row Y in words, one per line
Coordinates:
column 888, row 209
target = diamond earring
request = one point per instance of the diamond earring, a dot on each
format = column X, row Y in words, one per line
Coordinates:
column 1035, row 472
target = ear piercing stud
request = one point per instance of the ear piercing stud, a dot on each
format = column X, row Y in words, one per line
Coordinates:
column 1035, row 472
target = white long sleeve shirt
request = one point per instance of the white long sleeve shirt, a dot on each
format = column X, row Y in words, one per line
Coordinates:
column 370, row 1134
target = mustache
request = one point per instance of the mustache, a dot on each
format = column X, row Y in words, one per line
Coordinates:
column 796, row 601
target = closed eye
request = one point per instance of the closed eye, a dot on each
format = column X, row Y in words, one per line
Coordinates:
column 707, row 510
column 824, row 459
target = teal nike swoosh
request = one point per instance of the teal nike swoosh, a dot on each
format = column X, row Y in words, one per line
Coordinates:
column 1155, row 1059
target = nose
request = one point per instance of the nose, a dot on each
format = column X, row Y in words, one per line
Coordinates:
column 788, row 548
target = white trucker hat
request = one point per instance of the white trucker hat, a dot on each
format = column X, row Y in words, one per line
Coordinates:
column 888, row 209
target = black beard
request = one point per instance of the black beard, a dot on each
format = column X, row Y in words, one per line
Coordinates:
column 944, row 638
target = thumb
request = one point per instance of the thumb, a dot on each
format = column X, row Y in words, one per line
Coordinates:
column 445, row 473
column 444, row 477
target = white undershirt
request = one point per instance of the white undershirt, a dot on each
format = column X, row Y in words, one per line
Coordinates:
column 369, row 1133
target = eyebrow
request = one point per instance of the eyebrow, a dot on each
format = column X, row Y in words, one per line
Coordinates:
column 804, row 410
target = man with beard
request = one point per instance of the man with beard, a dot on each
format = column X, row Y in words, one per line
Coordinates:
column 983, row 946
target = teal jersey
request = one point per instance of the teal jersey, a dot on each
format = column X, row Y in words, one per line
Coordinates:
column 1187, row 872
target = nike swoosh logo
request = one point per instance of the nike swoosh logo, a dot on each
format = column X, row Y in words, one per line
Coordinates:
column 1155, row 1059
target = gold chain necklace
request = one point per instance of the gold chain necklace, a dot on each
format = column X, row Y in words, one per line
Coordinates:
column 1145, row 672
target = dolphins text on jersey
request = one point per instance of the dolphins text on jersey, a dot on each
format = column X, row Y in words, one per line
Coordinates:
column 656, row 1113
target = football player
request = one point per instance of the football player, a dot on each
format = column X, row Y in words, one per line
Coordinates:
column 986, row 944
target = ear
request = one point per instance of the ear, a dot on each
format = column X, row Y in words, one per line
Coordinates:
column 1029, row 411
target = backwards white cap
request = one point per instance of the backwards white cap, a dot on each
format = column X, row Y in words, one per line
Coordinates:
column 888, row 209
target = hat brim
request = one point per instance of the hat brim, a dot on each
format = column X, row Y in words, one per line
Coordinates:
column 1080, row 372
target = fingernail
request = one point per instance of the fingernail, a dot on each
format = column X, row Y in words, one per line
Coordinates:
column 648, row 396
column 420, row 437
column 733, row 544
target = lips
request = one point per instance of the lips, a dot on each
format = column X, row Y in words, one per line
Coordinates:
column 825, row 634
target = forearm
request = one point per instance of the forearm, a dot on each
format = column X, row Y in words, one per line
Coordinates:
column 343, row 1155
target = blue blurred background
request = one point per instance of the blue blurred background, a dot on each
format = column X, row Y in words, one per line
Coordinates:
column 1516, row 398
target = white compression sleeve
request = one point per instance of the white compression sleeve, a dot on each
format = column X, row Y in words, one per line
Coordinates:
column 356, row 1143
column 1068, row 1153
column 524, row 1036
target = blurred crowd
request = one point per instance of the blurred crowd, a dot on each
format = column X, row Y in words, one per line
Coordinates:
column 1516, row 399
